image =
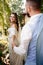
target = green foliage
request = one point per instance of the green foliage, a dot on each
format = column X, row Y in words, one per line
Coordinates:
column 4, row 13
column 16, row 6
column 42, row 5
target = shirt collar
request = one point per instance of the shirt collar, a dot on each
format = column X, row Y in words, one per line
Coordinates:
column 34, row 16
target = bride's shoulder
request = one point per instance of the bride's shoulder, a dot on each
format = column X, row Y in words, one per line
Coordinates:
column 8, row 29
column 11, row 29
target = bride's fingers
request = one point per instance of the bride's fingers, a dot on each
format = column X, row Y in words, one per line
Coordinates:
column 13, row 45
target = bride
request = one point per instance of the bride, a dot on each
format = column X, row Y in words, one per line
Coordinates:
column 15, row 59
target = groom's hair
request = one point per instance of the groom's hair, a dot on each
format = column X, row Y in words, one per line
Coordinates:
column 36, row 4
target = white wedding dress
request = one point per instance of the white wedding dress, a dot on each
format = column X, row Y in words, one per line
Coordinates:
column 15, row 59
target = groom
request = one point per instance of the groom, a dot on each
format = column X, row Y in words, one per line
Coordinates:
column 33, row 8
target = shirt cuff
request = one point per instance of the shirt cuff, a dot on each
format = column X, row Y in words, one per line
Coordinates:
column 19, row 51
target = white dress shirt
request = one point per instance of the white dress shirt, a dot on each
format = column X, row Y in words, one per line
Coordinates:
column 26, row 36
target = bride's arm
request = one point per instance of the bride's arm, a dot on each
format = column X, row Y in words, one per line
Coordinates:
column 13, row 40
column 13, row 35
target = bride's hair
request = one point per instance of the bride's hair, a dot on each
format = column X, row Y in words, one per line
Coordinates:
column 16, row 17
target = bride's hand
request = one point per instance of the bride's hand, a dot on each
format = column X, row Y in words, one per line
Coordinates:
column 13, row 45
